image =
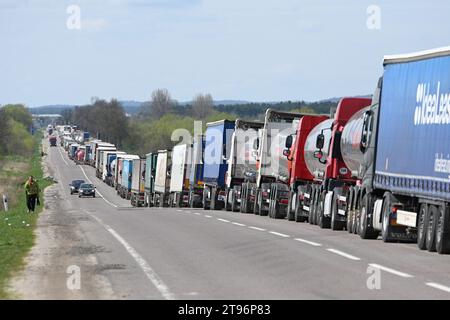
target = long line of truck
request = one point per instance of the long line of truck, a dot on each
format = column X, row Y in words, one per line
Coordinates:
column 376, row 166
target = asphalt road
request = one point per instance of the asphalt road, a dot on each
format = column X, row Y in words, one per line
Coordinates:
column 153, row 253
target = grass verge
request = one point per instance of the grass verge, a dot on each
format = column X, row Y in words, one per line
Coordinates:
column 17, row 226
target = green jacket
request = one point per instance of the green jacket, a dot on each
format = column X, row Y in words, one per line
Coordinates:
column 32, row 188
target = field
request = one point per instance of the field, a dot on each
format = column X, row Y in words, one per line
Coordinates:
column 17, row 226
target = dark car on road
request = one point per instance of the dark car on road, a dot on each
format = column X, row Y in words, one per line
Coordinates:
column 75, row 186
column 86, row 190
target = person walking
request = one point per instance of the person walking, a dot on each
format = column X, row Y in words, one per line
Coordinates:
column 32, row 193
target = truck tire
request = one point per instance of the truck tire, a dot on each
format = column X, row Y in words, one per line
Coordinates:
column 323, row 221
column 349, row 222
column 227, row 199
column 234, row 204
column 366, row 230
column 290, row 213
column 212, row 202
column 298, row 213
column 256, row 206
column 205, row 197
column 312, row 199
column 433, row 214
column 335, row 224
column 422, row 226
column 261, row 211
column 386, row 228
column 356, row 207
column 443, row 231
column 243, row 208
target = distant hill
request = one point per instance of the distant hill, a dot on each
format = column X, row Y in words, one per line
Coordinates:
column 238, row 107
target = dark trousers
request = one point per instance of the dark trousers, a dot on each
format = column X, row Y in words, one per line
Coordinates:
column 31, row 201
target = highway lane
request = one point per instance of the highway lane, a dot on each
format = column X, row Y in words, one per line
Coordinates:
column 153, row 253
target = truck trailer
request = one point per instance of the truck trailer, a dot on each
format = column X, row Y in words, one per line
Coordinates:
column 217, row 148
column 105, row 165
column 162, row 178
column 179, row 176
column 241, row 164
column 118, row 166
column 151, row 160
column 196, row 184
column 270, row 191
column 405, row 189
column 300, row 175
column 331, row 144
column 137, row 197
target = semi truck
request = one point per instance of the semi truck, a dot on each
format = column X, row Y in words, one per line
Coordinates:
column 179, row 176
column 241, row 163
column 270, row 191
column 326, row 198
column 151, row 160
column 405, row 188
column 162, row 178
column 300, row 177
column 73, row 147
column 196, row 183
column 217, row 148
column 52, row 141
column 137, row 197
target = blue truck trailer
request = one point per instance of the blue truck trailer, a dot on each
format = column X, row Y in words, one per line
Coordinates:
column 405, row 187
column 127, row 172
column 151, row 160
column 217, row 148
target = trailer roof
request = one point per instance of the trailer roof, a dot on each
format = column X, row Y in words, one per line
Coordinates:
column 415, row 56
column 251, row 124
column 218, row 122
column 128, row 156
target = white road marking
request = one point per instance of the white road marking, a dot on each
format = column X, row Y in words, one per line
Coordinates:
column 438, row 286
column 279, row 234
column 62, row 157
column 196, row 213
column 256, row 228
column 239, row 224
column 395, row 272
column 343, row 254
column 207, row 216
column 315, row 244
column 223, row 220
column 98, row 192
column 180, row 210
column 149, row 272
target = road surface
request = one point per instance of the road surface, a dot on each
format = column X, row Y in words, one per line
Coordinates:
column 152, row 253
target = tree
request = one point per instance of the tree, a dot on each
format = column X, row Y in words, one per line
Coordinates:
column 4, row 132
column 67, row 116
column 202, row 106
column 161, row 103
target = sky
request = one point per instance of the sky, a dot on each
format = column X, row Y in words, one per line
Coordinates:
column 254, row 50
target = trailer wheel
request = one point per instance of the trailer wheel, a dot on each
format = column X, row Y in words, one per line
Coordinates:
column 433, row 214
column 243, row 208
column 366, row 231
column 335, row 224
column 386, row 228
column 356, row 213
column 442, row 232
column 234, row 204
column 422, row 226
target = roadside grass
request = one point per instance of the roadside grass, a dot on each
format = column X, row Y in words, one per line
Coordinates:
column 17, row 226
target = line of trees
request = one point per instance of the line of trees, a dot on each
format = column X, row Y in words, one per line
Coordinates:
column 15, row 130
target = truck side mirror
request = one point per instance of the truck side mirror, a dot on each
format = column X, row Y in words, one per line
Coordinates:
column 256, row 144
column 289, row 141
column 320, row 141
column 286, row 153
